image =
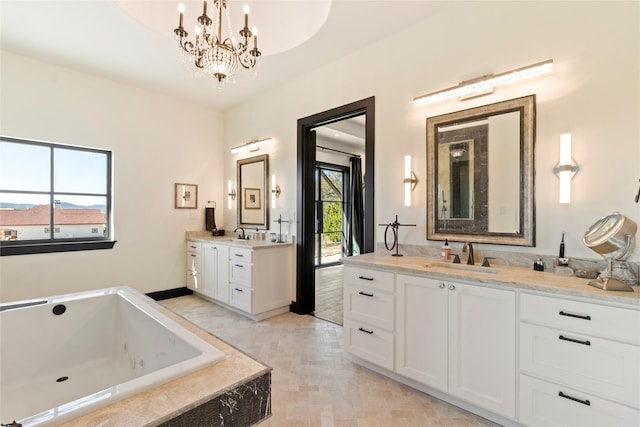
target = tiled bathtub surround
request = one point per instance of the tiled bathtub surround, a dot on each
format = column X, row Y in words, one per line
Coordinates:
column 510, row 258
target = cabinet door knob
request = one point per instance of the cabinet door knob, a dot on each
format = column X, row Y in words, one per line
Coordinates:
column 365, row 294
column 452, row 287
column 366, row 331
column 239, row 255
column 238, row 289
column 442, row 285
column 365, row 278
column 239, row 265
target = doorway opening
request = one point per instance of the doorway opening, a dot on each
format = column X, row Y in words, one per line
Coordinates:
column 317, row 232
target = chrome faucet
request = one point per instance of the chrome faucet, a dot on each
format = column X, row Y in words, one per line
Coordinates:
column 469, row 245
column 241, row 229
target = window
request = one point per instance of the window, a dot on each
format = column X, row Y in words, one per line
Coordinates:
column 53, row 197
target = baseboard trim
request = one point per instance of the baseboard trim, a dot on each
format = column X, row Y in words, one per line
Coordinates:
column 170, row 293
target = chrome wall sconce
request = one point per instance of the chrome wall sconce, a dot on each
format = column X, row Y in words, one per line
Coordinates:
column 410, row 180
column 484, row 85
column 231, row 193
column 566, row 168
column 251, row 146
column 275, row 191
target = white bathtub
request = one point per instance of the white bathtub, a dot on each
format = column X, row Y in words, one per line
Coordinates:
column 108, row 344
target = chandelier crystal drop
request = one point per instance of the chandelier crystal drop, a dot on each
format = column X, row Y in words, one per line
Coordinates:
column 217, row 56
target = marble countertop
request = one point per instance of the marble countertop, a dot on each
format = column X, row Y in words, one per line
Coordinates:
column 515, row 277
column 162, row 403
column 205, row 236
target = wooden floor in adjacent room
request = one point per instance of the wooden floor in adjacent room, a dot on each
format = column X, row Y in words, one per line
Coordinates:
column 329, row 295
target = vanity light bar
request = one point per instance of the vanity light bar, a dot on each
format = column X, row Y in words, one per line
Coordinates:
column 485, row 84
column 251, row 146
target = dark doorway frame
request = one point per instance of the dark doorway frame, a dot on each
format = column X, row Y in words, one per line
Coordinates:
column 305, row 227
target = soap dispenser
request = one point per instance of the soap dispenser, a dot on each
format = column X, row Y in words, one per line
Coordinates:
column 446, row 250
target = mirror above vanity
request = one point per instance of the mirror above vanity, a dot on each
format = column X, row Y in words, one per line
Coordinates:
column 480, row 163
column 253, row 210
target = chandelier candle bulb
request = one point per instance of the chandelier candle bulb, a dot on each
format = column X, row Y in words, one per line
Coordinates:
column 246, row 15
column 181, row 10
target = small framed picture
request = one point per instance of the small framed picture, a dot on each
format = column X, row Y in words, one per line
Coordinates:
column 252, row 198
column 186, row 196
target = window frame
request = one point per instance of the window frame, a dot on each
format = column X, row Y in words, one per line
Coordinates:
column 68, row 244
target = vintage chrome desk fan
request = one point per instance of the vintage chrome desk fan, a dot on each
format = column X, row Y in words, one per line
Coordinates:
column 613, row 236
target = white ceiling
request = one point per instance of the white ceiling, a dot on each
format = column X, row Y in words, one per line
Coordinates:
column 103, row 38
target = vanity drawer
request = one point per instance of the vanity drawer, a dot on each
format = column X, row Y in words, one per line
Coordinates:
column 375, row 279
column 240, row 254
column 368, row 305
column 240, row 273
column 194, row 246
column 542, row 404
column 241, row 297
column 370, row 343
column 593, row 319
column 605, row 368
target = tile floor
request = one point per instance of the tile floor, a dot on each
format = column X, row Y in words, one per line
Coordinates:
column 314, row 382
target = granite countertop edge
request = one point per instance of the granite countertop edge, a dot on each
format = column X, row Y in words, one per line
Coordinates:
column 513, row 277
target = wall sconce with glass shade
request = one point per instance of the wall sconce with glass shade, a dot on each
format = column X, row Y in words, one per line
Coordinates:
column 566, row 168
column 275, row 191
column 410, row 180
column 484, row 85
column 231, row 193
column 251, row 146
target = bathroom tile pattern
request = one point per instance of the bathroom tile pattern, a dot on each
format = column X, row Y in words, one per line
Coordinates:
column 314, row 381
column 245, row 405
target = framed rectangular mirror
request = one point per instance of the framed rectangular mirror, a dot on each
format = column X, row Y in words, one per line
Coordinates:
column 480, row 163
column 253, row 210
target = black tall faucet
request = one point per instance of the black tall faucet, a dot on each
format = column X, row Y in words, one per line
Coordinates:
column 241, row 229
column 470, row 260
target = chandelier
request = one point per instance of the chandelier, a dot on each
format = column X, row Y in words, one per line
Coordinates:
column 218, row 57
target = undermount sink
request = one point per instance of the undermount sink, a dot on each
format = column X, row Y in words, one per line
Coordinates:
column 466, row 267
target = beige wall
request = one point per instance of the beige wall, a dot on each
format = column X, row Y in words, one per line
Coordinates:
column 156, row 142
column 593, row 93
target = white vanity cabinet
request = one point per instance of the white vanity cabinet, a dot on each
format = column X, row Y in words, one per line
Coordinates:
column 260, row 280
column 579, row 363
column 422, row 337
column 194, row 265
column 369, row 327
column 482, row 346
column 254, row 279
column 215, row 266
column 458, row 338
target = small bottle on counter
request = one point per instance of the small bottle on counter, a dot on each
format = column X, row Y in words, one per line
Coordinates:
column 446, row 250
column 538, row 265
